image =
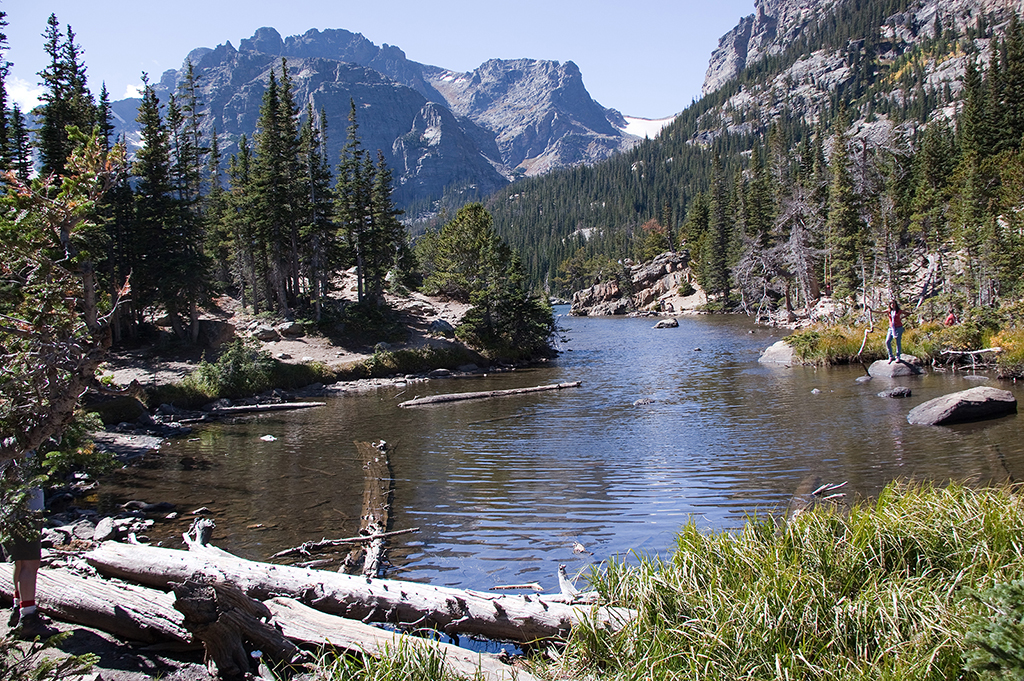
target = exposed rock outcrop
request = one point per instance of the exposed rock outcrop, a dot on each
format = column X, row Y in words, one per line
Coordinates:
column 652, row 284
column 974, row 404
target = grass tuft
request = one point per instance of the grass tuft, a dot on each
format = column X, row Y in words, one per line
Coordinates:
column 882, row 592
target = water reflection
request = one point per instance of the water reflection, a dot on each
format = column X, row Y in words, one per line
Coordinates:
column 501, row 488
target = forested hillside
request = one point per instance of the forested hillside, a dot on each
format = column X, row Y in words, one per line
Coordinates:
column 922, row 99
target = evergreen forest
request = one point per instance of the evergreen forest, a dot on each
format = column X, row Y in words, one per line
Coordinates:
column 776, row 210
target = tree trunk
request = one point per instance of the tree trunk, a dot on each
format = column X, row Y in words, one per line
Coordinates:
column 130, row 612
column 312, row 627
column 520, row 618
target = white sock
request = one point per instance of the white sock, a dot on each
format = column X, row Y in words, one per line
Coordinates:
column 27, row 610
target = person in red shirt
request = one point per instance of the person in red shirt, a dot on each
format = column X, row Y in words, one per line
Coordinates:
column 895, row 332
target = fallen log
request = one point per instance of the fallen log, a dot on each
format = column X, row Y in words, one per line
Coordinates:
column 520, row 618
column 256, row 408
column 231, row 625
column 486, row 394
column 126, row 611
column 309, row 547
column 377, row 492
column 305, row 625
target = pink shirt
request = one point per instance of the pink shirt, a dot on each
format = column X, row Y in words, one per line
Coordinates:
column 896, row 318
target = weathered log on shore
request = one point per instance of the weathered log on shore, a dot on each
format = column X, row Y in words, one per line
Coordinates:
column 130, row 612
column 486, row 394
column 519, row 618
column 226, row 621
column 303, row 624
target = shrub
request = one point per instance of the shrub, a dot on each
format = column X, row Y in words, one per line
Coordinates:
column 243, row 369
column 1010, row 363
column 998, row 633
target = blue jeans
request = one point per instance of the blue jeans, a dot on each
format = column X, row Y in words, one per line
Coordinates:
column 896, row 333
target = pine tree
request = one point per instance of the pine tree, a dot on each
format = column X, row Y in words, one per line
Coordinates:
column 843, row 227
column 386, row 234
column 19, row 145
column 66, row 100
column 318, row 230
column 352, row 199
column 716, row 277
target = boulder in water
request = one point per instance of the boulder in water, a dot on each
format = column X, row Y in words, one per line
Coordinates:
column 906, row 365
column 973, row 404
column 780, row 352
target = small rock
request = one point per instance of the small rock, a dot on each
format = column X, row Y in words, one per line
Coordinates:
column 266, row 333
column 816, row 392
column 283, row 355
column 667, row 324
column 268, row 438
column 643, row 400
column 202, row 511
column 440, row 373
column 441, row 327
column 104, row 530
column 863, row 379
column 291, row 329
column 897, row 392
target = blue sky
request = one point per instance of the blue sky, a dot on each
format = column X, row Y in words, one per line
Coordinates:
column 646, row 58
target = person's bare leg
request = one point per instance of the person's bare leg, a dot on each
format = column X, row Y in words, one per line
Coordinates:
column 26, row 573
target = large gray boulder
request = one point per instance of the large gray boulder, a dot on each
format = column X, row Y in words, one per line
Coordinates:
column 907, row 365
column 669, row 323
column 974, row 404
column 780, row 352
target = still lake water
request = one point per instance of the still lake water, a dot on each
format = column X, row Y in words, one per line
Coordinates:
column 501, row 488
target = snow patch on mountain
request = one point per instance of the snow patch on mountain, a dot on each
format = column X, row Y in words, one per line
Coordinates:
column 645, row 127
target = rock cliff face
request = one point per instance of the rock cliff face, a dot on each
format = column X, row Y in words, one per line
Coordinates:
column 651, row 285
column 807, row 84
column 439, row 131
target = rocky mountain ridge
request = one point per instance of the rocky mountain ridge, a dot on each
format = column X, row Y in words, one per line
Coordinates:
column 440, row 131
column 806, row 84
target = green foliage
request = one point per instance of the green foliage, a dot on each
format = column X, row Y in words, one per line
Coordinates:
column 1011, row 360
column 76, row 453
column 26, row 661
column 470, row 263
column 881, row 592
column 243, row 369
column 396, row 662
column 998, row 633
column 17, row 522
column 390, row 362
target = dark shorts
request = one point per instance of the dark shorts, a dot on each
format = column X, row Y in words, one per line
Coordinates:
column 23, row 550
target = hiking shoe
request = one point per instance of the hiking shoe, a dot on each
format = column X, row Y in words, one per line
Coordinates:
column 35, row 626
column 12, row 621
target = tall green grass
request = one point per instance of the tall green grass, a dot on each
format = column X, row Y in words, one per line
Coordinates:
column 884, row 592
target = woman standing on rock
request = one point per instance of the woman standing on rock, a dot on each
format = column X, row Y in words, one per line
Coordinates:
column 895, row 331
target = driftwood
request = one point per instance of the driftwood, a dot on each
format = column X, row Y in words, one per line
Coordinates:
column 230, row 625
column 310, row 547
column 520, row 618
column 256, row 408
column 377, row 491
column 311, row 627
column 126, row 611
column 458, row 397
